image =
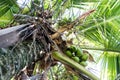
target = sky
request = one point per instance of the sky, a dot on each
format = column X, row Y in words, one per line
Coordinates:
column 22, row 2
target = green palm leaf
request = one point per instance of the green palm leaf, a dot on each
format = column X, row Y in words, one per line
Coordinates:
column 109, row 69
column 6, row 19
column 6, row 5
column 103, row 28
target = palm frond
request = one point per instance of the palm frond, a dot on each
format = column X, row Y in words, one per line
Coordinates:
column 6, row 11
column 6, row 6
column 102, row 28
column 6, row 19
column 59, row 7
column 108, row 62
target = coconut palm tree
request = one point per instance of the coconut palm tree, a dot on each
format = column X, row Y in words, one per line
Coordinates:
column 33, row 42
